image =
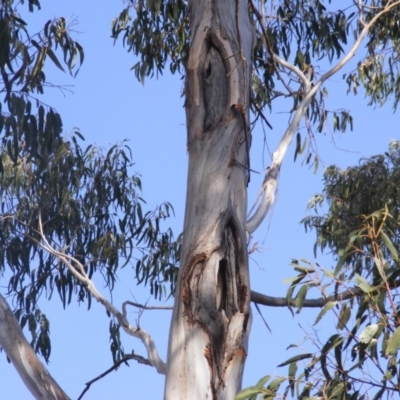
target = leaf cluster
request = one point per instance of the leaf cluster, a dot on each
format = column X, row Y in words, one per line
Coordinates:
column 362, row 201
column 22, row 56
column 157, row 31
column 360, row 360
column 378, row 72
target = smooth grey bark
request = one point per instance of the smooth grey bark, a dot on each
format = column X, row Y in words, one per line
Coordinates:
column 271, row 301
column 31, row 370
column 211, row 318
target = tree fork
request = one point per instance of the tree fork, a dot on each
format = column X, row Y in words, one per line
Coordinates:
column 211, row 318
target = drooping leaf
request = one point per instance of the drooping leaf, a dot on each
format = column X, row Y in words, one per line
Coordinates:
column 292, row 376
column 389, row 245
column 328, row 306
column 393, row 344
column 363, row 284
column 54, row 58
column 344, row 316
column 295, row 359
column 368, row 333
column 300, row 297
column 248, row 393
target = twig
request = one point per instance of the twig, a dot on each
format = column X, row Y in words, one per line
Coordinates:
column 139, row 359
column 262, row 317
column 261, row 114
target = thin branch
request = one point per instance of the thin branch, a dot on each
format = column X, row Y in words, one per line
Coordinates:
column 360, row 8
column 139, row 359
column 143, row 307
column 261, row 114
column 306, row 82
column 262, row 317
column 377, row 385
column 80, row 274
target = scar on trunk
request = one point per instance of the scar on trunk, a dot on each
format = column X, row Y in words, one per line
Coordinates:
column 197, row 262
column 215, row 87
column 221, row 285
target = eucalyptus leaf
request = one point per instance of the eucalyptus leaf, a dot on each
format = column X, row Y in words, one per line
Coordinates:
column 393, row 343
column 368, row 333
column 328, row 306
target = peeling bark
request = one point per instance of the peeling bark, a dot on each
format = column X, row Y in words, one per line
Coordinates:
column 211, row 319
column 34, row 374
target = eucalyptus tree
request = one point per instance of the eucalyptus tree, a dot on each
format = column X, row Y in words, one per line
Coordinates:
column 236, row 57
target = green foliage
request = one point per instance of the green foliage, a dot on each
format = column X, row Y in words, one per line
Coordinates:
column 39, row 327
column 363, row 212
column 302, row 32
column 27, row 124
column 379, row 71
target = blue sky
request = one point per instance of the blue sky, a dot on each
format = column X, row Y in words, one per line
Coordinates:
column 108, row 105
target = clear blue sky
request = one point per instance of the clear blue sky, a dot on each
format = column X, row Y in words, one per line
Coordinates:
column 109, row 105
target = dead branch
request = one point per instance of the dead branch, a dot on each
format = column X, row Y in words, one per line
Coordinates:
column 143, row 307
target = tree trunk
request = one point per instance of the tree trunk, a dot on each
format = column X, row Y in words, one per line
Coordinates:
column 211, row 319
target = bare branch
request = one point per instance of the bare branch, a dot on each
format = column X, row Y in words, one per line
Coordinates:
column 77, row 269
column 267, row 196
column 143, row 307
column 31, row 370
column 271, row 301
column 306, row 82
column 270, row 183
column 139, row 359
